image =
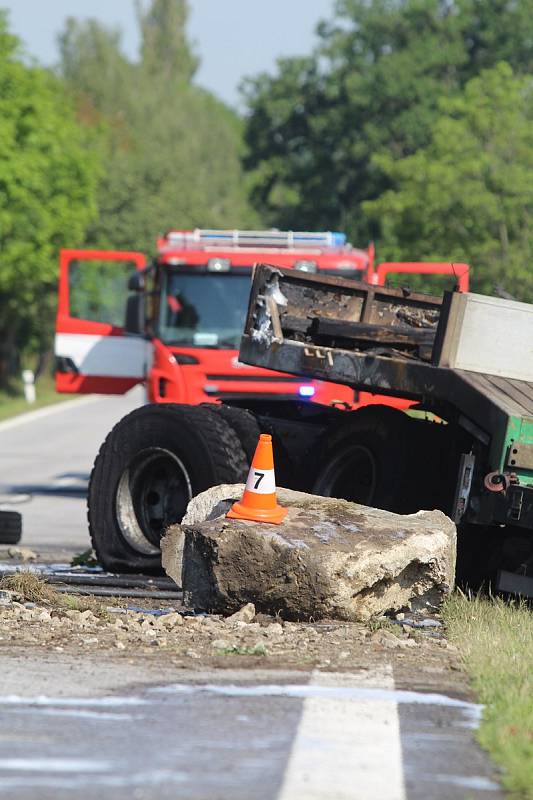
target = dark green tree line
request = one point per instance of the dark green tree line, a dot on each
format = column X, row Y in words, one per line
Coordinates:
column 48, row 180
column 324, row 132
column 106, row 152
column 470, row 190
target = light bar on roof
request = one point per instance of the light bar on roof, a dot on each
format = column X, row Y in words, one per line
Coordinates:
column 269, row 238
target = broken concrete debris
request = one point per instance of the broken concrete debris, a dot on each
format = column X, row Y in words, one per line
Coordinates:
column 22, row 553
column 7, row 597
column 190, row 640
column 330, row 558
column 245, row 614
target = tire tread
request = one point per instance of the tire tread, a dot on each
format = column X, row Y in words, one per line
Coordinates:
column 227, row 463
column 10, row 527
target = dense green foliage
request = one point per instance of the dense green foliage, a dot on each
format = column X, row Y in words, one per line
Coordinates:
column 105, row 152
column 470, row 190
column 47, row 191
column 171, row 151
column 324, row 133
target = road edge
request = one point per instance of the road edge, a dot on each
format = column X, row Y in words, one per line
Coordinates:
column 29, row 416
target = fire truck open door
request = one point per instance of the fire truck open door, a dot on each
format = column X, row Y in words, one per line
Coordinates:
column 94, row 354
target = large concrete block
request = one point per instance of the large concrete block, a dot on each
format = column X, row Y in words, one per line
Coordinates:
column 330, row 558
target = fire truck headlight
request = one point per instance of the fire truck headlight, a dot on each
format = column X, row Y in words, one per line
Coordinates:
column 306, row 266
column 306, row 391
column 218, row 265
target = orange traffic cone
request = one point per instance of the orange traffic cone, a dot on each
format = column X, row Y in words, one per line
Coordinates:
column 259, row 502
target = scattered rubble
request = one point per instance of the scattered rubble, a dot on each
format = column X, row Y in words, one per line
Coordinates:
column 245, row 614
column 330, row 558
column 7, row 597
column 24, row 554
column 186, row 639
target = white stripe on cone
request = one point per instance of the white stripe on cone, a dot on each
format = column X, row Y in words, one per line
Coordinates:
column 261, row 481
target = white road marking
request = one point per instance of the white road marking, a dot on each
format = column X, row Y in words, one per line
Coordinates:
column 347, row 745
column 346, row 748
column 67, row 780
column 330, row 691
column 44, row 700
column 101, row 716
column 47, row 411
column 54, row 764
column 69, row 483
column 477, row 783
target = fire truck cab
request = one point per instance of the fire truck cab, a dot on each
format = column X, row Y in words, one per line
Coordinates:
column 178, row 327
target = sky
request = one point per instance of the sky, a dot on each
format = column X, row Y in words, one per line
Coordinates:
column 234, row 38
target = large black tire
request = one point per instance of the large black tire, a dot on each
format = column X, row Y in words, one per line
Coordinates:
column 150, row 465
column 243, row 423
column 10, row 527
column 364, row 459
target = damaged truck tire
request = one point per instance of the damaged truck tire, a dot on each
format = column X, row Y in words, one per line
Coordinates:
column 243, row 423
column 149, row 467
column 10, row 527
column 362, row 459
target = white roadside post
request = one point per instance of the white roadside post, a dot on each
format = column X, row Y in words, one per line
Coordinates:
column 28, row 379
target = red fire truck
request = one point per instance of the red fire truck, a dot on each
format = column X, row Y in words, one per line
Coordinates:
column 180, row 328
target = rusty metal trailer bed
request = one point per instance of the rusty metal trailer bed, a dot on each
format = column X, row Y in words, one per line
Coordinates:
column 435, row 351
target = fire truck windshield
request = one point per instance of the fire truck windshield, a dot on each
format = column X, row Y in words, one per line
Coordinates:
column 203, row 309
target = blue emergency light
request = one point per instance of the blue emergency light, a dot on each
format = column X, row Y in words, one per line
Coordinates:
column 306, row 391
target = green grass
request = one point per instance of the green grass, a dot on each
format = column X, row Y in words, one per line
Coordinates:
column 257, row 650
column 13, row 402
column 495, row 640
column 32, row 588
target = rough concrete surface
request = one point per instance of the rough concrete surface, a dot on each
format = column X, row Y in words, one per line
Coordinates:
column 330, row 558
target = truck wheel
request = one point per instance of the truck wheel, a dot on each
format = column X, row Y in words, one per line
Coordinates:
column 149, row 467
column 10, row 527
column 243, row 423
column 363, row 459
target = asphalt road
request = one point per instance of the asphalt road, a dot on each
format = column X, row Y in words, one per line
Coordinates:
column 232, row 735
column 46, row 458
column 78, row 729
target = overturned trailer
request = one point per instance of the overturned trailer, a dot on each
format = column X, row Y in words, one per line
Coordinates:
column 466, row 446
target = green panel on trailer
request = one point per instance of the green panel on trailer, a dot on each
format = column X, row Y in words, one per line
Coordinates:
column 518, row 451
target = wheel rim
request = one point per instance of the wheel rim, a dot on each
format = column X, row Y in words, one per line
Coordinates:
column 350, row 475
column 153, row 493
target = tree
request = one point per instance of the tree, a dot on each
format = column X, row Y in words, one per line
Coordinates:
column 165, row 50
column 372, row 85
column 47, row 190
column 468, row 195
column 171, row 151
column 93, row 66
